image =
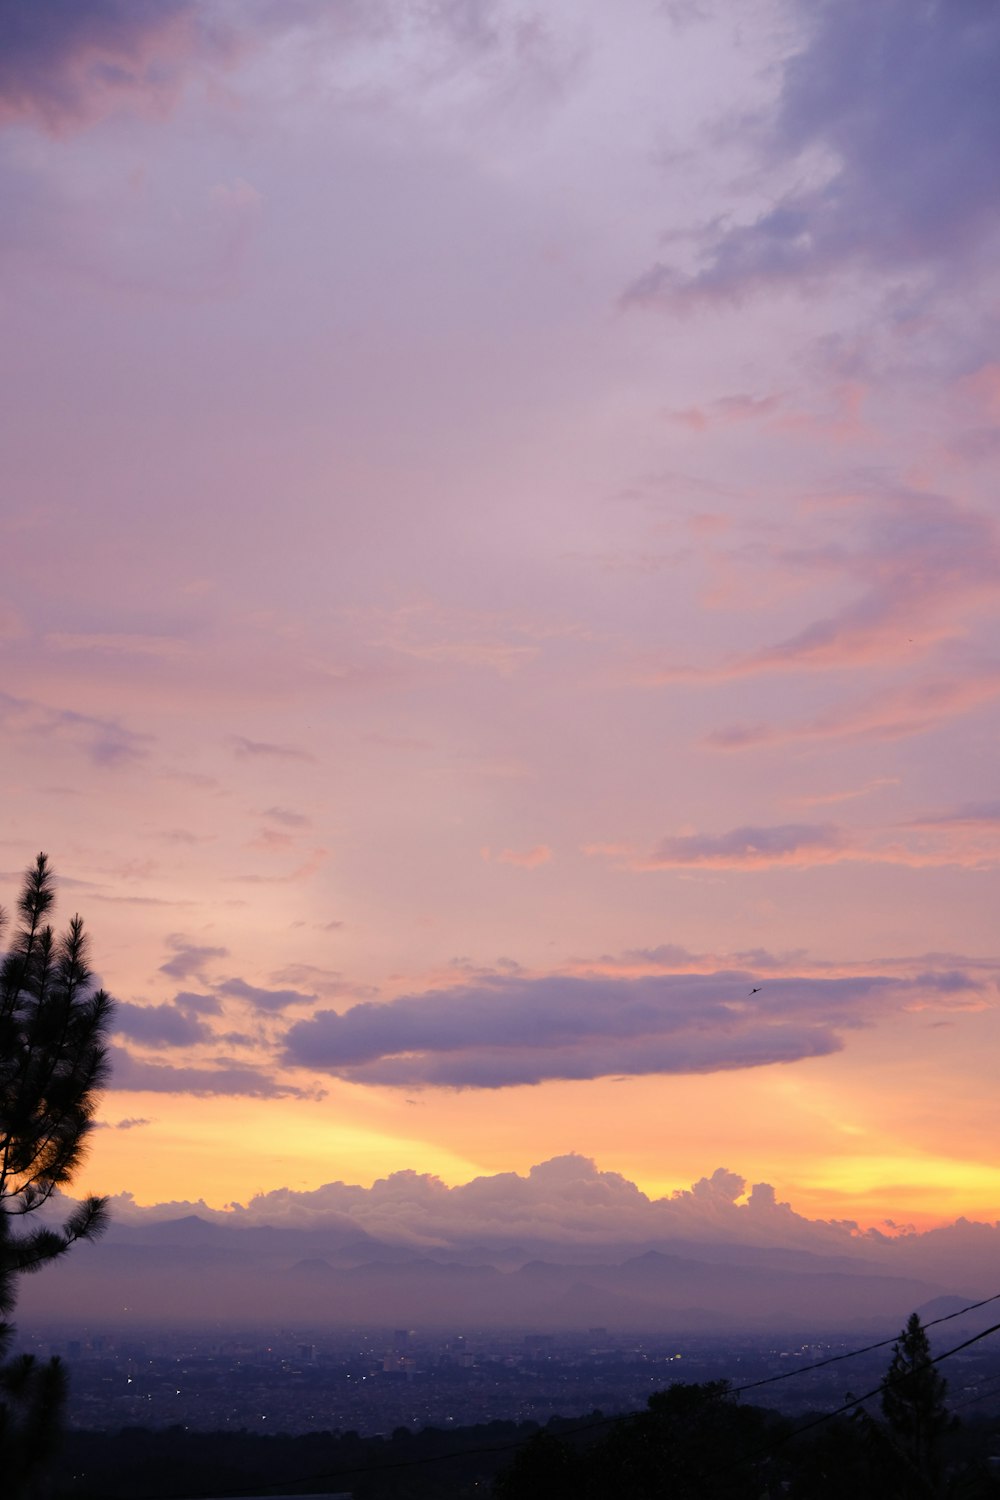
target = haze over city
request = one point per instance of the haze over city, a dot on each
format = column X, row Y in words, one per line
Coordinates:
column 500, row 613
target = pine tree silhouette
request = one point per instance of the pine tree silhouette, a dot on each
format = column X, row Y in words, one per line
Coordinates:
column 913, row 1401
column 53, row 1062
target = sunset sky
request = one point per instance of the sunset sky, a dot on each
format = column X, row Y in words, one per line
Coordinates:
column 500, row 561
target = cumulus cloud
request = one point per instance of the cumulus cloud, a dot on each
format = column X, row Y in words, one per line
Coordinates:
column 504, row 1030
column 566, row 1200
column 892, row 113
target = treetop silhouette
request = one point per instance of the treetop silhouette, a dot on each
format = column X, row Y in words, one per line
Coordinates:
column 53, row 1062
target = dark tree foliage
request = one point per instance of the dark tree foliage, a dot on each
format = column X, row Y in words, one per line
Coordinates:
column 53, row 1061
column 913, row 1401
column 693, row 1442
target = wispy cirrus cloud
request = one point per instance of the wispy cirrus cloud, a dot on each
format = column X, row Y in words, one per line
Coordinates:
column 925, row 564
column 916, row 707
column 525, row 859
column 263, row 749
column 105, row 742
column 304, row 870
column 287, row 817
column 446, row 636
column 967, row 815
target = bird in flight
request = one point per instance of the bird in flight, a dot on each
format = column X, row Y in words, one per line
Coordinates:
column 755, row 990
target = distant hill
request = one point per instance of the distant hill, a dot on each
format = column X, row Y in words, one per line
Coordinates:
column 192, row 1269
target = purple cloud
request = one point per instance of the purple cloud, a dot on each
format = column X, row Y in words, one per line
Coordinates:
column 750, row 848
column 189, row 958
column 286, row 817
column 202, row 1005
column 132, row 1075
column 262, row 999
column 67, row 62
column 903, row 97
column 504, row 1030
column 968, row 815
column 103, row 741
column 257, row 749
column 159, row 1025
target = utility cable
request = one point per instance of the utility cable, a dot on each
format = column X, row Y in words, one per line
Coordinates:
column 833, row 1359
column 851, row 1405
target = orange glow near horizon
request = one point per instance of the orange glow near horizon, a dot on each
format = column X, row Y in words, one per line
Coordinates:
column 496, row 653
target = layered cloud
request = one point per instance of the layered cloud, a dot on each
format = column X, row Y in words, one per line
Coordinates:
column 222, row 1076
column 507, row 1030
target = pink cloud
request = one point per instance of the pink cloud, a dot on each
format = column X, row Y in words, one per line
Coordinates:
column 304, row 871
column 526, row 859
column 969, row 844
column 726, row 411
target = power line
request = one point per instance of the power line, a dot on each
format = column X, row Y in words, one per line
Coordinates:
column 833, row 1359
column 856, row 1401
